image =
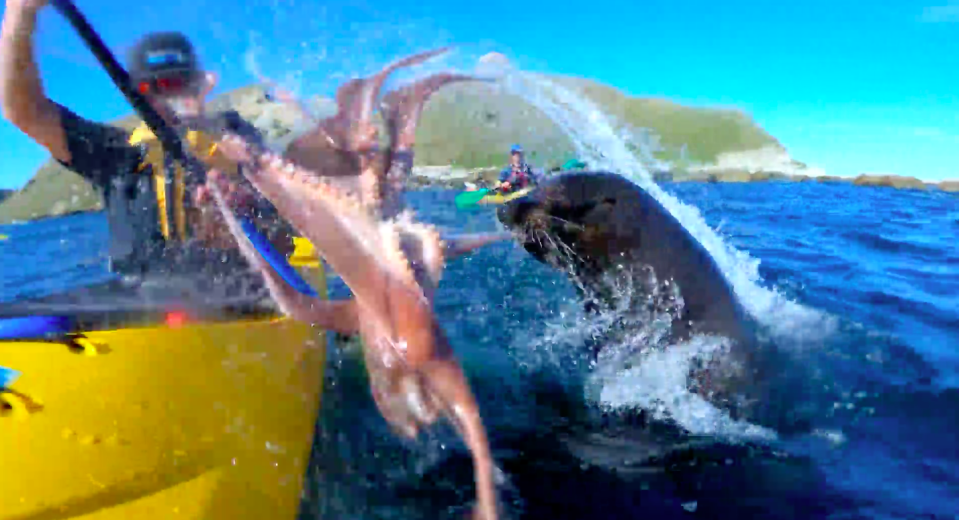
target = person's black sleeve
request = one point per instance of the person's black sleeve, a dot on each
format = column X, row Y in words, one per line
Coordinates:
column 98, row 152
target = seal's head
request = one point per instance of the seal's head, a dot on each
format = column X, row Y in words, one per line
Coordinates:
column 574, row 217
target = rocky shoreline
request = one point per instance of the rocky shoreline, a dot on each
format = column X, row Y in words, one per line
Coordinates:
column 469, row 126
column 457, row 178
column 452, row 178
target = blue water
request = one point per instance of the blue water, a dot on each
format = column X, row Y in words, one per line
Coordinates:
column 878, row 268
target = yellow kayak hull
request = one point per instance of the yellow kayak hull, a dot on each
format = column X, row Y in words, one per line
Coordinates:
column 197, row 421
column 499, row 198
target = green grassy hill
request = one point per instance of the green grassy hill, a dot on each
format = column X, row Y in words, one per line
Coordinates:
column 54, row 190
column 468, row 125
column 472, row 125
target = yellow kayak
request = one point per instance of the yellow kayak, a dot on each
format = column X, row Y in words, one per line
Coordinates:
column 499, row 198
column 179, row 420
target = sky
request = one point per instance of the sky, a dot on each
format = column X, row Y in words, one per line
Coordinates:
column 846, row 85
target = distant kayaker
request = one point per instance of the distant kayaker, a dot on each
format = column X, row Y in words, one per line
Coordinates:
column 518, row 174
column 145, row 194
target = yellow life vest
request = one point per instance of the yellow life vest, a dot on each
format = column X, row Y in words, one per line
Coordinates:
column 203, row 146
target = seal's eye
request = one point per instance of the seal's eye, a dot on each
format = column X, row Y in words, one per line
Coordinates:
column 579, row 211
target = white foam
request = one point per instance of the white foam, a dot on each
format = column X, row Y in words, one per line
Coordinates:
column 656, row 381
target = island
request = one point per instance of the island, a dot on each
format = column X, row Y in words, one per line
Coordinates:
column 467, row 129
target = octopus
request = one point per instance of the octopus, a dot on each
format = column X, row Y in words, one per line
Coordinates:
column 340, row 188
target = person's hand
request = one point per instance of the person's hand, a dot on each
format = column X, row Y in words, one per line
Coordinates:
column 210, row 227
column 235, row 149
column 504, row 185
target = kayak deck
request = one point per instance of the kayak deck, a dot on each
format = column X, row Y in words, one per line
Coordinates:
column 197, row 421
column 209, row 416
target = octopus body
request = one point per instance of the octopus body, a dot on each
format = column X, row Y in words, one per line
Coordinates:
column 338, row 188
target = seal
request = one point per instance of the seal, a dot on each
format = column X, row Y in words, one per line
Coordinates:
column 605, row 231
column 597, row 221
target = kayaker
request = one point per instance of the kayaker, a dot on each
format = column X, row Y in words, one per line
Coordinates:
column 144, row 193
column 518, row 174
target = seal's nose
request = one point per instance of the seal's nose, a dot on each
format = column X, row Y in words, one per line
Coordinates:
column 514, row 213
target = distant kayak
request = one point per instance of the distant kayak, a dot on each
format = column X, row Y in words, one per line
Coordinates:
column 573, row 164
column 468, row 199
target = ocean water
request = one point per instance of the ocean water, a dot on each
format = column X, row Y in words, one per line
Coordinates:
column 878, row 268
column 857, row 287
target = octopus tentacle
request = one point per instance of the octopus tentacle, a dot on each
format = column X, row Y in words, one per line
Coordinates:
column 429, row 252
column 401, row 111
column 459, row 245
column 362, row 250
column 391, row 263
column 404, row 106
column 360, row 111
column 375, row 167
column 339, row 316
column 447, row 380
column 354, row 101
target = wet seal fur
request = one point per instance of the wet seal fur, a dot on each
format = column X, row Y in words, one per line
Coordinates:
column 595, row 224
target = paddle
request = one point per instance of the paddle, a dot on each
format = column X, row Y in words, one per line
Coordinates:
column 168, row 137
column 33, row 326
column 470, row 198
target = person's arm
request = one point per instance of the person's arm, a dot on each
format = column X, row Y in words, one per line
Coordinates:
column 504, row 177
column 24, row 102
column 97, row 152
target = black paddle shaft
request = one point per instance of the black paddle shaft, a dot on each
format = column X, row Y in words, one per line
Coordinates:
column 167, row 136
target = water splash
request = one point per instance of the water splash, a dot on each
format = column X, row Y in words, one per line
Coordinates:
column 641, row 370
column 657, row 382
column 604, row 144
column 638, row 367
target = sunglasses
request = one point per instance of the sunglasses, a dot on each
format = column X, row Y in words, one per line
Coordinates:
column 165, row 86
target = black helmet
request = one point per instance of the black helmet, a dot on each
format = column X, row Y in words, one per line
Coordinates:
column 163, row 54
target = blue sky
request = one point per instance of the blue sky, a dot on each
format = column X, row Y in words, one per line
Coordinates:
column 847, row 85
